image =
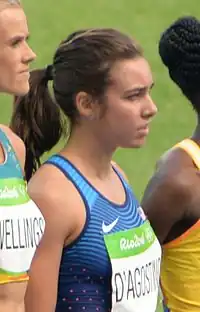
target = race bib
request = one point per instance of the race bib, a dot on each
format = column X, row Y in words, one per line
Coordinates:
column 135, row 257
column 21, row 228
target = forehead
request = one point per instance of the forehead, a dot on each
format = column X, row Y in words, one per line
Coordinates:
column 12, row 23
column 129, row 73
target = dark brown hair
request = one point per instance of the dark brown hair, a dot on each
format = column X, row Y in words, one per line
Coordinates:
column 81, row 63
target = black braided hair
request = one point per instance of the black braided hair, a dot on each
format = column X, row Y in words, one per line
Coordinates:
column 179, row 49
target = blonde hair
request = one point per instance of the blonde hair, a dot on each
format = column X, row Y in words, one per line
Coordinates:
column 4, row 4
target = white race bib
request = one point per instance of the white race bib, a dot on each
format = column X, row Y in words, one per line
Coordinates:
column 21, row 227
column 135, row 257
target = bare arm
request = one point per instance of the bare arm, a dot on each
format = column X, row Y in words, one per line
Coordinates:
column 168, row 199
column 51, row 194
column 12, row 297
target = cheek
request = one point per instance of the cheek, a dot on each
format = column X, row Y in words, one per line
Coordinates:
column 6, row 78
column 122, row 116
column 128, row 116
column 120, row 110
column 11, row 80
column 8, row 65
column 122, row 121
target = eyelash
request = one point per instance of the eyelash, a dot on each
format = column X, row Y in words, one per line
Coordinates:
column 16, row 43
column 133, row 97
column 138, row 95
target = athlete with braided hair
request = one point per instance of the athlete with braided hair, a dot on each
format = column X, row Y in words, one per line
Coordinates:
column 172, row 197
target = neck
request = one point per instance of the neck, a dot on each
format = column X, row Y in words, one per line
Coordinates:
column 89, row 152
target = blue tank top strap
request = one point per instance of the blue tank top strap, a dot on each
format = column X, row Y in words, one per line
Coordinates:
column 11, row 167
column 88, row 194
column 121, row 177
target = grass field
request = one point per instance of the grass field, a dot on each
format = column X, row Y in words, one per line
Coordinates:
column 145, row 20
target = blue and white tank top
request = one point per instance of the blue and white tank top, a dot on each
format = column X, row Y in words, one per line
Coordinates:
column 85, row 277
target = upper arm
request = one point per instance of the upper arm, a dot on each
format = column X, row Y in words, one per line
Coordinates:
column 56, row 209
column 12, row 296
column 165, row 201
column 43, row 273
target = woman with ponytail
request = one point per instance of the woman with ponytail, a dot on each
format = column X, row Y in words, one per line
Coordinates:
column 101, row 84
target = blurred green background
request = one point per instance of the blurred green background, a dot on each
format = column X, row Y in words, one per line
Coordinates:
column 50, row 21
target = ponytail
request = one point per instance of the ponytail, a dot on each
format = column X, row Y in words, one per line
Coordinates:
column 37, row 119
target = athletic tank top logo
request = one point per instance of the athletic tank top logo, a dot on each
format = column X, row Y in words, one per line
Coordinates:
column 106, row 228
